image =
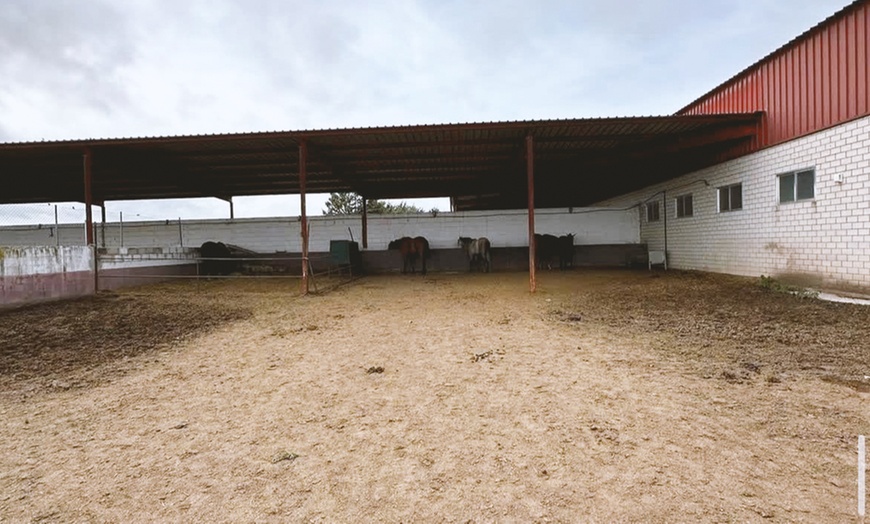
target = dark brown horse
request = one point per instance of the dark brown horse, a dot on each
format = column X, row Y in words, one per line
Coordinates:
column 411, row 249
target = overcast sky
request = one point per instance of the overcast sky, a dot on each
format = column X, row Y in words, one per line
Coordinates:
column 129, row 68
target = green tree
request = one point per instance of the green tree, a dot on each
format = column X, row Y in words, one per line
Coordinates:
column 343, row 204
column 351, row 204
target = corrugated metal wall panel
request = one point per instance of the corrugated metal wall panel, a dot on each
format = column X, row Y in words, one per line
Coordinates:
column 819, row 80
column 861, row 57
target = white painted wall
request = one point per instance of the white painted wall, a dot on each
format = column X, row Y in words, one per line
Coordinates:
column 827, row 238
column 30, row 274
column 503, row 228
column 44, row 260
column 49, row 260
column 37, row 273
column 268, row 235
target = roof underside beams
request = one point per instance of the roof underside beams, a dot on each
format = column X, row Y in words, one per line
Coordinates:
column 481, row 166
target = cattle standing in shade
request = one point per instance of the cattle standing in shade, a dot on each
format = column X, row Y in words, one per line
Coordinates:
column 411, row 249
column 477, row 250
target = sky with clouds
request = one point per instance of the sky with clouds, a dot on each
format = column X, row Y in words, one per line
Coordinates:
column 74, row 69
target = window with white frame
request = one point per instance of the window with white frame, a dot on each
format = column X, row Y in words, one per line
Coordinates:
column 731, row 197
column 797, row 185
column 652, row 211
column 684, row 206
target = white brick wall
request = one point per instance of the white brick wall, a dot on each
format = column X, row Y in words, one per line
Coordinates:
column 129, row 258
column 826, row 238
column 269, row 235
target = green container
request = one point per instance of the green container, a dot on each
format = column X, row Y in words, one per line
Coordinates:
column 345, row 253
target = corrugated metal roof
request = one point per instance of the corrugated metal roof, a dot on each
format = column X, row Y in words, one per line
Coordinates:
column 577, row 161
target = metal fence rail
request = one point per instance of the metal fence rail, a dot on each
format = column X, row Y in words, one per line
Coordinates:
column 144, row 269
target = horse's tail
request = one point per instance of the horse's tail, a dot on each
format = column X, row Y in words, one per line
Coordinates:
column 423, row 246
column 487, row 257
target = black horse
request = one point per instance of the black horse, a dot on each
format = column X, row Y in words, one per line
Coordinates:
column 548, row 247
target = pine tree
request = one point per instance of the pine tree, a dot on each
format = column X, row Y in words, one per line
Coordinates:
column 351, row 204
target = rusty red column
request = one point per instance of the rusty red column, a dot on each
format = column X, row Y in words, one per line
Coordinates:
column 303, row 161
column 89, row 217
column 365, row 223
column 103, row 224
column 530, row 174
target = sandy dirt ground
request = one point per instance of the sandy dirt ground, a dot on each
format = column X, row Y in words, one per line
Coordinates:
column 608, row 396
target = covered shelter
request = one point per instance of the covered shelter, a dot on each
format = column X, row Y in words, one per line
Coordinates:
column 493, row 165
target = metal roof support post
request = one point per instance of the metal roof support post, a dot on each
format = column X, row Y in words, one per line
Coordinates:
column 365, row 223
column 530, row 173
column 89, row 218
column 103, row 225
column 303, row 160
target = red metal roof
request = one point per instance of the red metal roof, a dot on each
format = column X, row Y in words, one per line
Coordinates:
column 479, row 165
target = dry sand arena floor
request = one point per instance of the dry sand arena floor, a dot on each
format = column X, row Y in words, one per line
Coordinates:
column 608, row 396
